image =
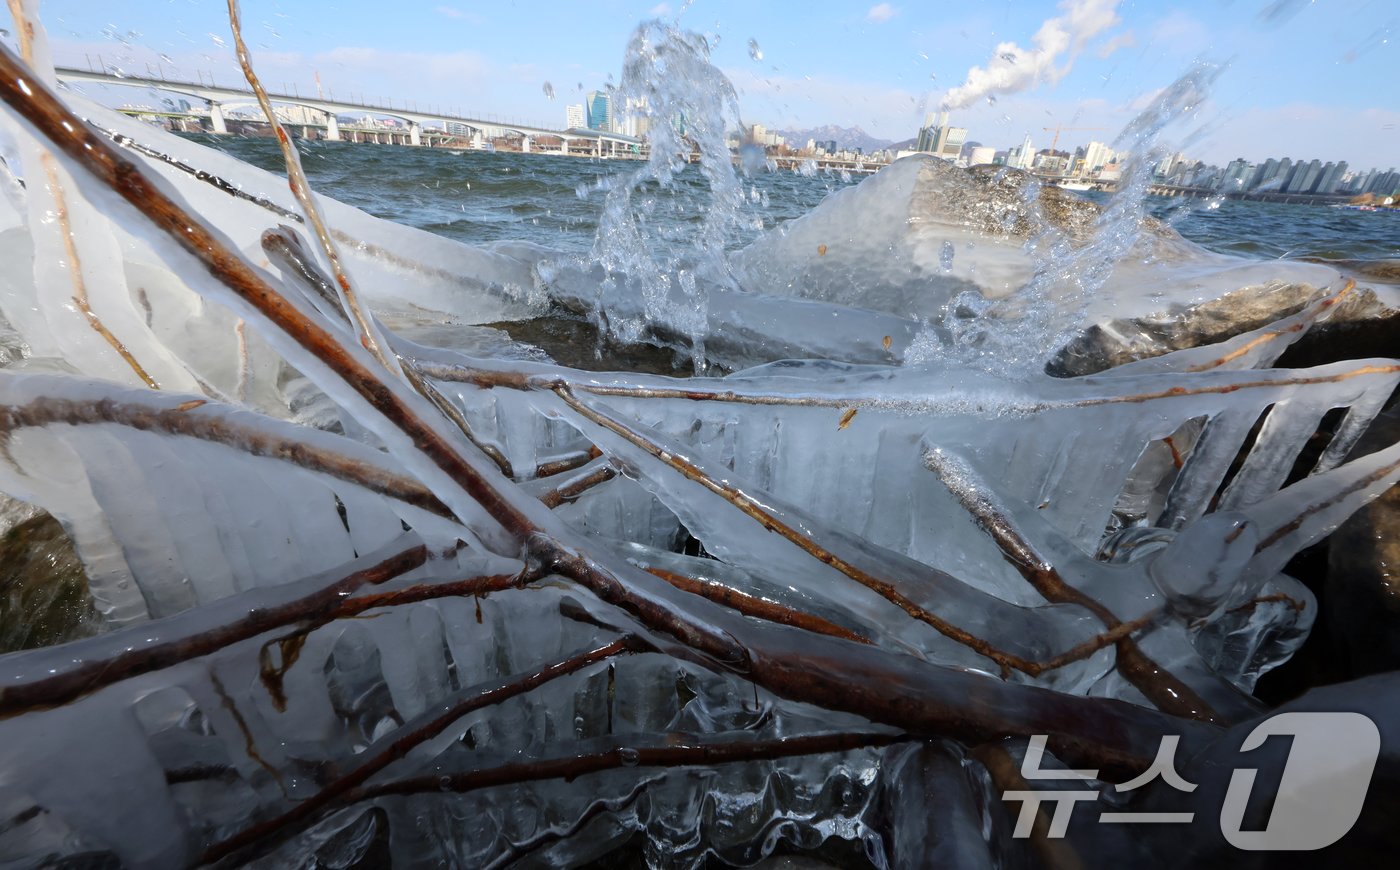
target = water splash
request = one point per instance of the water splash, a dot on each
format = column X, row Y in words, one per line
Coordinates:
column 754, row 51
column 690, row 105
column 1022, row 330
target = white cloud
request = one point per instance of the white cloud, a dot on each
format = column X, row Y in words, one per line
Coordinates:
column 1013, row 68
column 881, row 12
column 660, row 10
column 1126, row 39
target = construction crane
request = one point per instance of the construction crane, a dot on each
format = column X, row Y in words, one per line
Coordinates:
column 1058, row 127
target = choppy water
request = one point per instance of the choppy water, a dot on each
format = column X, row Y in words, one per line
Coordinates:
column 479, row 197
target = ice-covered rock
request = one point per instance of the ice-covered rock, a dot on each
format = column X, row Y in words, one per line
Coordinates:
column 910, row 239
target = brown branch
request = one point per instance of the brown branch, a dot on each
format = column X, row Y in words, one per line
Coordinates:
column 1167, row 692
column 403, row 740
column 188, row 420
column 884, row 588
column 576, row 486
column 491, row 378
column 561, row 464
column 61, row 688
column 283, row 247
column 1301, row 322
column 301, row 188
column 65, row 224
column 679, row 751
column 289, row 646
column 752, row 605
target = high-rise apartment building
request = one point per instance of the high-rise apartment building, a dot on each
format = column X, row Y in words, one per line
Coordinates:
column 575, row 118
column 1331, row 177
column 1096, row 156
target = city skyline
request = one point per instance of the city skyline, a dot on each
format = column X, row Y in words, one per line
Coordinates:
column 1315, row 81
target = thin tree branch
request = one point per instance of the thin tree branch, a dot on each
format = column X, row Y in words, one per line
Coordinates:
column 400, row 742
column 73, row 683
column 191, row 419
column 301, row 189
column 1158, row 685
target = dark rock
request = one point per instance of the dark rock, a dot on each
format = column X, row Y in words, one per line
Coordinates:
column 44, row 596
column 1361, row 601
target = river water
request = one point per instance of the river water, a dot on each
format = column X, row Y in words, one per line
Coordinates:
column 478, row 197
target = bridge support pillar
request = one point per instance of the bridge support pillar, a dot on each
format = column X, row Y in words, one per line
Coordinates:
column 598, row 147
column 524, row 144
column 332, row 127
column 478, row 140
column 415, row 134
column 216, row 118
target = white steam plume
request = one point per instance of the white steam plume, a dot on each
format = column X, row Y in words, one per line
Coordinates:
column 1013, row 68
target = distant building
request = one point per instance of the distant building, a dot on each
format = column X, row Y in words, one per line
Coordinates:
column 763, row 137
column 1331, row 177
column 634, row 120
column 600, row 112
column 1022, row 156
column 575, row 118
column 1238, row 174
column 980, row 155
column 941, row 140
column 1096, row 156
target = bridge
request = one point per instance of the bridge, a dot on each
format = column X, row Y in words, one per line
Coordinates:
column 324, row 115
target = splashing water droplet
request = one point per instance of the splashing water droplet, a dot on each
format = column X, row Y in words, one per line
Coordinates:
column 629, row 756
column 754, row 51
column 445, row 783
column 548, row 91
column 945, row 257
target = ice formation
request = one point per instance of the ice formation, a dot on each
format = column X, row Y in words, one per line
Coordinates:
column 485, row 609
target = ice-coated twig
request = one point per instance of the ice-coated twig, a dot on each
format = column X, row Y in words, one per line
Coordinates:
column 205, row 421
column 289, row 646
column 188, row 638
column 26, row 29
column 368, row 331
column 1165, row 386
column 569, row 462
column 283, row 247
column 569, row 488
column 752, row 605
column 671, row 750
column 412, row 734
column 1162, row 688
column 760, row 512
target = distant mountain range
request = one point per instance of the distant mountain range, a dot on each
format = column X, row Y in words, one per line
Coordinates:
column 845, row 137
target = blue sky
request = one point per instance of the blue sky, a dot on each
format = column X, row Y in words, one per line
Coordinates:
column 1305, row 79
